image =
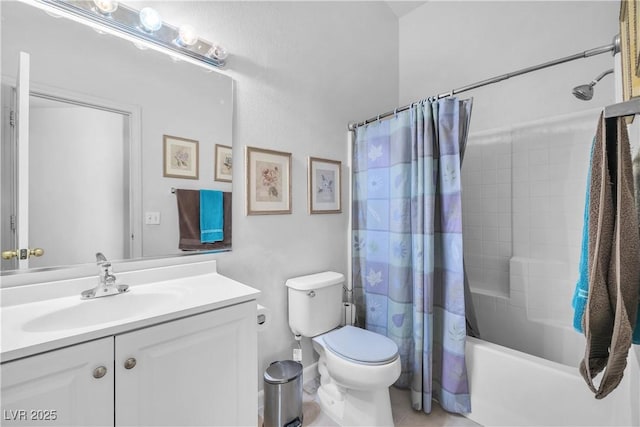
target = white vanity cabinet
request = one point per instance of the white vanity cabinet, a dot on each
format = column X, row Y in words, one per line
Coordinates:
column 72, row 386
column 197, row 370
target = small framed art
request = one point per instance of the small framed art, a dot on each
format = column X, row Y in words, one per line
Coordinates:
column 224, row 164
column 180, row 157
column 325, row 194
column 268, row 181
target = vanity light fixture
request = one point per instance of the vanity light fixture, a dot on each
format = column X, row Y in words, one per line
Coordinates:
column 150, row 20
column 186, row 36
column 142, row 27
column 106, row 7
column 217, row 52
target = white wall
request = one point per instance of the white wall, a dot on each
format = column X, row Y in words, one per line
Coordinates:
column 446, row 45
column 302, row 70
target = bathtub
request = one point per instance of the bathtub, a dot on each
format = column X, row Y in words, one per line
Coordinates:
column 512, row 388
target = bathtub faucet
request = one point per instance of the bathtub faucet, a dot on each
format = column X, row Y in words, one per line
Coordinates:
column 107, row 283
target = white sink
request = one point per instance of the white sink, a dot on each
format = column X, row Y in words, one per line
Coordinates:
column 102, row 310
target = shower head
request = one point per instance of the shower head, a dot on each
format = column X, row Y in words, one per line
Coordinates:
column 585, row 92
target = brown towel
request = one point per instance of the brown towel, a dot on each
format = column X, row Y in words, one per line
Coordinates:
column 189, row 221
column 614, row 260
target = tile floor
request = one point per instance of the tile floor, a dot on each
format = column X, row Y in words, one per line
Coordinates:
column 403, row 414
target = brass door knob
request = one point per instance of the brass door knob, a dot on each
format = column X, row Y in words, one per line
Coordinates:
column 36, row 252
column 9, row 254
column 22, row 253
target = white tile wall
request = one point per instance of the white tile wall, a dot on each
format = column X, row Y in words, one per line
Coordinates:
column 523, row 201
column 486, row 198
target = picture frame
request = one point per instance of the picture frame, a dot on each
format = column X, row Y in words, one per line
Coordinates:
column 223, row 163
column 629, row 49
column 324, row 186
column 268, row 180
column 180, row 157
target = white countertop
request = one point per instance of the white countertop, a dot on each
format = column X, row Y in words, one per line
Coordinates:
column 35, row 325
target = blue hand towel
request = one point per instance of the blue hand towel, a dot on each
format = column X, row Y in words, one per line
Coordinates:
column 211, row 216
column 581, row 293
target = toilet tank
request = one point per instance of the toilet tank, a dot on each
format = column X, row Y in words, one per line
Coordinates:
column 315, row 303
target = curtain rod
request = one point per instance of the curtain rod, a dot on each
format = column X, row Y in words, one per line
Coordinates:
column 613, row 47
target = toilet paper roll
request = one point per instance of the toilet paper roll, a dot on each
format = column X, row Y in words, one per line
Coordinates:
column 263, row 318
column 348, row 313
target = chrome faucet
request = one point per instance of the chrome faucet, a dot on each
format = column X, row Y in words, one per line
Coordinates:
column 107, row 285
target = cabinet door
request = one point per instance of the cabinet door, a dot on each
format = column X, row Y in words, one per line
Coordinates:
column 60, row 388
column 196, row 371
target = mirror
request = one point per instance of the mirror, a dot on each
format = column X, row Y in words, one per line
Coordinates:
column 88, row 191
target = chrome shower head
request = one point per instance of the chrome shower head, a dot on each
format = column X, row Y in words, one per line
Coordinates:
column 585, row 92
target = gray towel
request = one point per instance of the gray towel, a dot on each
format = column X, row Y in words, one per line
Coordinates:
column 614, row 260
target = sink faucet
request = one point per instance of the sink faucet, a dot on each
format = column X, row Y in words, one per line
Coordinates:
column 107, row 285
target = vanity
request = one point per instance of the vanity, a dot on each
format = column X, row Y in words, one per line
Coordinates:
column 179, row 348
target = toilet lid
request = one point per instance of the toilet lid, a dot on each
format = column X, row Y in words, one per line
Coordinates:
column 361, row 346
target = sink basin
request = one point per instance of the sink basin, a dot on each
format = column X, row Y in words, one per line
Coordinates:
column 96, row 311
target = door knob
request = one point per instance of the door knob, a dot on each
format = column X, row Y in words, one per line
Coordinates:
column 22, row 253
column 36, row 252
column 130, row 363
column 9, row 254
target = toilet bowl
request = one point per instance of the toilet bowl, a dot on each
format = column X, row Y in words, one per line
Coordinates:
column 356, row 369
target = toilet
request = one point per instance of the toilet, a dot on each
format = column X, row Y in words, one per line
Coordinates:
column 356, row 366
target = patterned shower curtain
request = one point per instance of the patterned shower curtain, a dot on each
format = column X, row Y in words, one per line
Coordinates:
column 408, row 270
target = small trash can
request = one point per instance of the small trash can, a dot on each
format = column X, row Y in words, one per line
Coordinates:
column 283, row 394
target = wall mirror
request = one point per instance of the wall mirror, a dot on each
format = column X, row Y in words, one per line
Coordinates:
column 99, row 109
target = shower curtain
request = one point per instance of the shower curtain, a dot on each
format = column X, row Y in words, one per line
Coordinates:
column 408, row 269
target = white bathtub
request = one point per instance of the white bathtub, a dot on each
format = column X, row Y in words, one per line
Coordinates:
column 512, row 388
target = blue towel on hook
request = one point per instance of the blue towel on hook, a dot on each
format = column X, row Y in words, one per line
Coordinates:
column 581, row 293
column 211, row 216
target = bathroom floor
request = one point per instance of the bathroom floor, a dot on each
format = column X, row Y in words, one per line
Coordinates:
column 403, row 414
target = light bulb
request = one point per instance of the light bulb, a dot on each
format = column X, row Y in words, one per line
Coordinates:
column 218, row 52
column 106, row 6
column 150, row 19
column 187, row 36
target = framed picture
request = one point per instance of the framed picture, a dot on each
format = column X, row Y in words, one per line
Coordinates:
column 224, row 166
column 629, row 49
column 268, row 181
column 325, row 186
column 180, row 158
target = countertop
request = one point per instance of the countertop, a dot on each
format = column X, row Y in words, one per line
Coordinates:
column 31, row 326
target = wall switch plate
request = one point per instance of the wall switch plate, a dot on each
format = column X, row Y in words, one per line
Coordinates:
column 152, row 218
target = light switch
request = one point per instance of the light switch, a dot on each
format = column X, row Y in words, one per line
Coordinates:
column 152, row 218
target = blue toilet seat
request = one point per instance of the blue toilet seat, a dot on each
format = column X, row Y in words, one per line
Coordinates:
column 361, row 346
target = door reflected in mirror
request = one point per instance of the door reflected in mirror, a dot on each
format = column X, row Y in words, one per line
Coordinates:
column 91, row 179
column 100, row 108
